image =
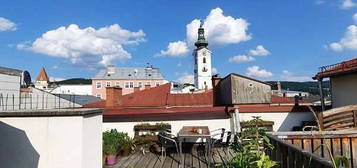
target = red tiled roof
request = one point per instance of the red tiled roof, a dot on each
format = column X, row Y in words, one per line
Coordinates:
column 42, row 76
column 336, row 69
column 160, row 96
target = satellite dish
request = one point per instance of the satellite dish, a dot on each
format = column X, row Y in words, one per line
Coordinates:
column 26, row 78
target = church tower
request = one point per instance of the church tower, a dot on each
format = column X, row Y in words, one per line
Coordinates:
column 202, row 55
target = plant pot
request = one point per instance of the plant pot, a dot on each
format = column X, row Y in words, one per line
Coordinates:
column 111, row 160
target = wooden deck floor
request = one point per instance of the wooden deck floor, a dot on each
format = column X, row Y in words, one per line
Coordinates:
column 194, row 157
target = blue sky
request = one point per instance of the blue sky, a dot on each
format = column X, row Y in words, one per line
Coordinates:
column 76, row 38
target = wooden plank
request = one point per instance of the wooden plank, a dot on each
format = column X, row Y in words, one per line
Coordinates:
column 134, row 157
column 291, row 160
column 195, row 159
column 317, row 146
column 336, row 145
column 297, row 142
column 346, row 148
column 327, row 148
column 202, row 158
column 354, row 151
column 144, row 161
column 215, row 156
column 168, row 161
column 153, row 159
column 307, row 145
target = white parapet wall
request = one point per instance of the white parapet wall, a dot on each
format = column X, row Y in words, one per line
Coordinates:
column 283, row 121
column 55, row 138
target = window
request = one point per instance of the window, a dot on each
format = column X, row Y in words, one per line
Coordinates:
column 131, row 84
column 148, row 83
column 109, row 84
column 204, row 59
column 204, row 69
column 157, row 83
column 98, row 85
column 126, row 84
column 140, row 84
column 98, row 95
column 117, row 84
column 196, row 61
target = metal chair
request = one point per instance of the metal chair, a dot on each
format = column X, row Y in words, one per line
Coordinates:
column 167, row 140
column 218, row 138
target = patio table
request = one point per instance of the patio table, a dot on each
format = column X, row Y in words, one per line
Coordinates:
column 187, row 133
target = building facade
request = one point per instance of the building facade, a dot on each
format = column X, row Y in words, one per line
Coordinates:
column 127, row 78
column 10, row 83
column 343, row 79
column 73, row 89
column 42, row 80
column 203, row 67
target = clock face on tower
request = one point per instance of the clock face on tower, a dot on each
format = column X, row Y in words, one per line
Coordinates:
column 204, row 53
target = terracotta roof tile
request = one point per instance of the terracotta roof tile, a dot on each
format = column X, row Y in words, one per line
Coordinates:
column 335, row 69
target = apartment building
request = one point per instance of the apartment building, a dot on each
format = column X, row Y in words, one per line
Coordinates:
column 128, row 78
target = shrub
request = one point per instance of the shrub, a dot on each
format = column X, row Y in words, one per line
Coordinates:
column 250, row 149
column 114, row 142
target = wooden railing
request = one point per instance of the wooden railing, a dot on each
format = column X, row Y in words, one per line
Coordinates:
column 323, row 144
column 290, row 156
column 340, row 118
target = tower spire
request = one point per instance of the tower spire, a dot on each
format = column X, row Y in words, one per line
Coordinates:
column 201, row 40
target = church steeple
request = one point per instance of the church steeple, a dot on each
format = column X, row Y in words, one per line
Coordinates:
column 203, row 67
column 201, row 40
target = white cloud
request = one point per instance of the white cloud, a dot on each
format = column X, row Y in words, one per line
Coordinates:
column 259, row 51
column 7, row 25
column 214, row 71
column 175, row 49
column 347, row 4
column 86, row 46
column 349, row 41
column 241, row 59
column 289, row 76
column 256, row 71
column 186, row 78
column 354, row 17
column 219, row 29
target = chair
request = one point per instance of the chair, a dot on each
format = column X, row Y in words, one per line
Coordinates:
column 218, row 138
column 167, row 140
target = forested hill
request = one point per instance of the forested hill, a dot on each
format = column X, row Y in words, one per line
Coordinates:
column 311, row 87
column 73, row 81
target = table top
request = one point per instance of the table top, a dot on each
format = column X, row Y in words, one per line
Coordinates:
column 189, row 131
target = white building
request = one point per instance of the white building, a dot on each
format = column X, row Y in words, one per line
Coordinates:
column 73, row 89
column 10, row 81
column 203, row 67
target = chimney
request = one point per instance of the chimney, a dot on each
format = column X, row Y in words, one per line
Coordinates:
column 136, row 89
column 113, row 97
column 215, row 81
column 147, row 87
column 296, row 98
column 111, row 69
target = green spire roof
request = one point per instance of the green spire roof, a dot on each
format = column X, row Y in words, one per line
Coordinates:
column 201, row 40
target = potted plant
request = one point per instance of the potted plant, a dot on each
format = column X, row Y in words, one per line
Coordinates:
column 126, row 144
column 110, row 146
